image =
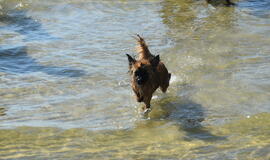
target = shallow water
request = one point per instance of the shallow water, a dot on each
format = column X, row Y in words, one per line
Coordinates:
column 64, row 87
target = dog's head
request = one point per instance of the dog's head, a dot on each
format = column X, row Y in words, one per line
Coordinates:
column 141, row 70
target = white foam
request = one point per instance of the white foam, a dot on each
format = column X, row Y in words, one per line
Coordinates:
column 173, row 79
column 155, row 97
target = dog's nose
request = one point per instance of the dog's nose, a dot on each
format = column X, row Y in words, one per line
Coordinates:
column 139, row 80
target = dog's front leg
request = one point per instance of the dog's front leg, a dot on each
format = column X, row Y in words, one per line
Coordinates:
column 147, row 107
column 139, row 97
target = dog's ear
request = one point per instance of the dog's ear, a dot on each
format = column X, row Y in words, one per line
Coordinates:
column 155, row 61
column 130, row 60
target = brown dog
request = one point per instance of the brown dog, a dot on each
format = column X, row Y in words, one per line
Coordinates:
column 147, row 74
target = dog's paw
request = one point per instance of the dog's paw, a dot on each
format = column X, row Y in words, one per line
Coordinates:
column 146, row 111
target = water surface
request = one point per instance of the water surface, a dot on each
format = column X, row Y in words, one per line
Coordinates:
column 65, row 93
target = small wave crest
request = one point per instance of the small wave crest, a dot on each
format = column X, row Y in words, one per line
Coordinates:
column 173, row 79
column 7, row 5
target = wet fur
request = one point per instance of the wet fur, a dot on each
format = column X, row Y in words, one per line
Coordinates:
column 147, row 73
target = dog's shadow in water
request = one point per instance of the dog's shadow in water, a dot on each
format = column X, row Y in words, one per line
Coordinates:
column 16, row 60
column 185, row 113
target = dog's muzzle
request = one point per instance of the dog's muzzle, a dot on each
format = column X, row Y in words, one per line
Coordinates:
column 141, row 76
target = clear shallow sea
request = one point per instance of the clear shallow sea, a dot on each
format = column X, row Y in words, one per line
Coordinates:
column 64, row 87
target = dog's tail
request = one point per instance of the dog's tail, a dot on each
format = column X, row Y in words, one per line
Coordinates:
column 142, row 48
